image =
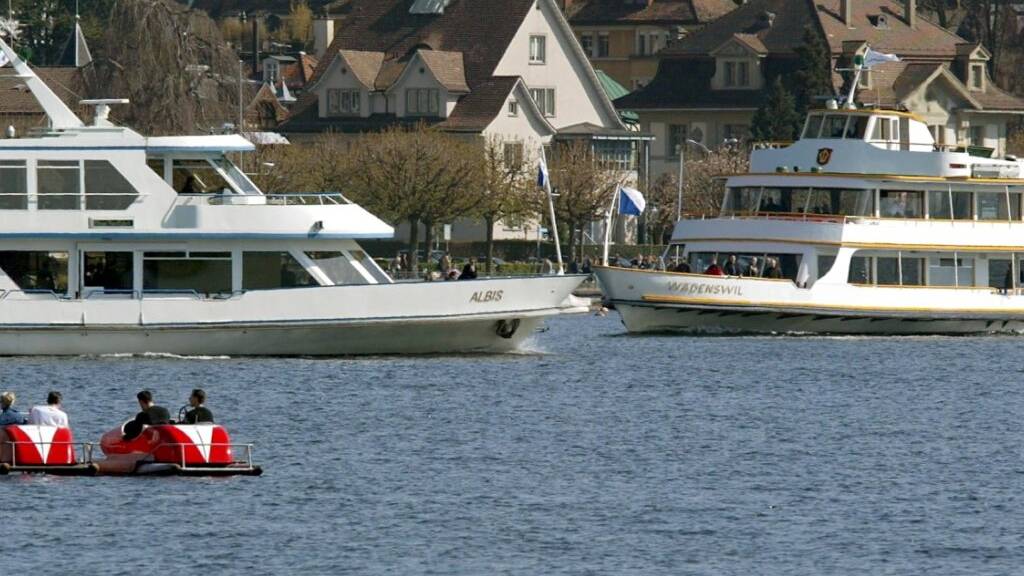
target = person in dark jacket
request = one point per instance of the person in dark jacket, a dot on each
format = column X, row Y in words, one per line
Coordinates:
column 773, row 270
column 731, row 268
column 469, row 270
column 199, row 414
column 150, row 415
column 683, row 266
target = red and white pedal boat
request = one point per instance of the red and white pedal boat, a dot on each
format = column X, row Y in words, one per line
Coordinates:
column 166, row 449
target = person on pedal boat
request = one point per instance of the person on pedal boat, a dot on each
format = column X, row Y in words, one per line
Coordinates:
column 150, row 415
column 8, row 415
column 199, row 414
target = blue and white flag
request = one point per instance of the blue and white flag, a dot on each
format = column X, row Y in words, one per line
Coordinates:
column 871, row 58
column 542, row 173
column 631, row 201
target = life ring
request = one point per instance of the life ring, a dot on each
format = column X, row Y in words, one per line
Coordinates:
column 507, row 328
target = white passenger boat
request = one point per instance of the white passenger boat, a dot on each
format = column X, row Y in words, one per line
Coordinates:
column 876, row 229
column 112, row 242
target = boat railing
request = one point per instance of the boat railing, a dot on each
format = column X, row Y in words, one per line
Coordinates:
column 4, row 294
column 285, row 199
column 231, row 446
column 83, row 450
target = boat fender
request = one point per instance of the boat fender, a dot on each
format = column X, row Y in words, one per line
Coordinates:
column 507, row 328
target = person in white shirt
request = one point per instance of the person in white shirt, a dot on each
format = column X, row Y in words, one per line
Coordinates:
column 49, row 415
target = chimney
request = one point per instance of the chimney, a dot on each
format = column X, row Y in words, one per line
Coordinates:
column 323, row 35
column 846, row 8
column 911, row 16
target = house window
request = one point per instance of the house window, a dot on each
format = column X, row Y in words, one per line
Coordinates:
column 676, row 139
column 538, row 49
column 864, row 81
column 421, row 102
column 587, row 43
column 736, row 74
column 270, row 71
column 513, row 108
column 602, row 45
column 977, row 79
column 343, row 102
column 976, row 136
column 545, row 99
column 513, row 154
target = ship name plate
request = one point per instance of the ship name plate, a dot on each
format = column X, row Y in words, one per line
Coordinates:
column 701, row 288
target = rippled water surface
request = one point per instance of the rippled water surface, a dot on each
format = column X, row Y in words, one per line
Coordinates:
column 596, row 453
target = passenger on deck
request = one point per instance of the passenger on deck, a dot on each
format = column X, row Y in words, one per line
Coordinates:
column 731, row 268
column 753, row 269
column 150, row 415
column 1007, row 281
column 199, row 414
column 50, row 414
column 773, row 270
column 682, row 266
column 8, row 415
column 469, row 270
column 713, row 269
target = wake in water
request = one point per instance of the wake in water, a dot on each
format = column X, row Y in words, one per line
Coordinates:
column 156, row 355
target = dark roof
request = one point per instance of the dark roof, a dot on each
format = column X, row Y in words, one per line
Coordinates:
column 684, row 83
column 677, row 12
column 472, row 27
column 66, row 82
column 784, row 30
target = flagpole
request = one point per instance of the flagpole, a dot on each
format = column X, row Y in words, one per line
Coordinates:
column 551, row 208
column 607, row 223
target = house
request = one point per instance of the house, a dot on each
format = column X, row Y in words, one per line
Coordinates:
column 622, row 38
column 709, row 85
column 510, row 69
column 295, row 71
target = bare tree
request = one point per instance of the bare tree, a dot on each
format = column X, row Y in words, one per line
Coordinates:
column 505, row 181
column 704, row 179
column 585, row 184
column 416, row 175
column 172, row 63
column 660, row 216
column 315, row 166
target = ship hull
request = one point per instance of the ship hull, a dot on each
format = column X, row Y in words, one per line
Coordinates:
column 651, row 302
column 483, row 316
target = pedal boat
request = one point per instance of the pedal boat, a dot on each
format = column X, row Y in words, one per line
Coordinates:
column 176, row 450
column 31, row 449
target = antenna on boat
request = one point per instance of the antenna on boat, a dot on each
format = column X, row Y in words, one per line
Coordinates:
column 101, row 107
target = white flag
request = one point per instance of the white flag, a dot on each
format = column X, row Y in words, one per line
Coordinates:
column 631, row 201
column 871, row 58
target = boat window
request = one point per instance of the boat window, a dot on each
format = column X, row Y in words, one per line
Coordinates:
column 825, row 262
column 740, row 201
column 372, row 267
column 270, row 270
column 59, row 185
column 1015, row 200
column 106, row 188
column 962, row 205
column 156, row 164
column 1000, row 273
column 813, row 126
column 36, row 270
column 790, row 263
column 992, row 206
column 912, row 269
column 239, row 178
column 886, row 130
column 834, row 127
column 943, row 272
column 337, row 267
column 857, row 127
column 776, row 200
column 198, row 177
column 887, row 270
column 938, row 205
column 199, row 272
column 841, row 202
column 861, row 271
column 111, row 271
column 901, row 204
column 13, row 185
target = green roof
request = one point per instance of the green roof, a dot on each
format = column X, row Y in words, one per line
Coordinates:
column 615, row 90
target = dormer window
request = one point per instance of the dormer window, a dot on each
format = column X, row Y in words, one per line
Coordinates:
column 737, row 74
column 977, row 77
column 421, row 102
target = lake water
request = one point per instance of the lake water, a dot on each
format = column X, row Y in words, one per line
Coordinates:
column 593, row 453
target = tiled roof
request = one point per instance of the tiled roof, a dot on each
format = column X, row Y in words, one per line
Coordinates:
column 783, row 31
column 66, row 83
column 678, row 12
column 365, row 66
column 447, row 67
